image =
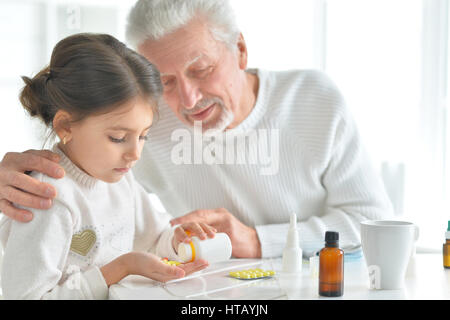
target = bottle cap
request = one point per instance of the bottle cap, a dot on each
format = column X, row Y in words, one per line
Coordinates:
column 447, row 234
column 186, row 252
column 331, row 237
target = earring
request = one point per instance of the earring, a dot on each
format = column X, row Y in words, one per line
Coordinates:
column 64, row 140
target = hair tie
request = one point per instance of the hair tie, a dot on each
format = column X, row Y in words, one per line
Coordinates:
column 48, row 76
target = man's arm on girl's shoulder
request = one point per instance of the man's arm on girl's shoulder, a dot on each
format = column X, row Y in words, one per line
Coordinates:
column 17, row 187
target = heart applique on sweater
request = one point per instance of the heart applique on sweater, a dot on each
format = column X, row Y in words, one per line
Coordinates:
column 83, row 241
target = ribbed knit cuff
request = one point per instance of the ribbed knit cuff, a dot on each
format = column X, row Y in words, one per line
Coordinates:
column 164, row 247
column 273, row 239
column 97, row 284
column 310, row 233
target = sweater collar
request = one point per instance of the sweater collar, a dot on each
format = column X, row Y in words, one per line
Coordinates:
column 260, row 108
column 75, row 172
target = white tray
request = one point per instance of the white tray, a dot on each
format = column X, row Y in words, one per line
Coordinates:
column 213, row 282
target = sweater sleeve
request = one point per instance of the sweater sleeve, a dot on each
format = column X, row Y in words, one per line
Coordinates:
column 354, row 193
column 34, row 258
column 153, row 231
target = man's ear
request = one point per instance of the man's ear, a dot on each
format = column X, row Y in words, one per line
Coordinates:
column 242, row 52
column 62, row 125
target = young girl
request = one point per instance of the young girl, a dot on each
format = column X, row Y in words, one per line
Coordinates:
column 99, row 98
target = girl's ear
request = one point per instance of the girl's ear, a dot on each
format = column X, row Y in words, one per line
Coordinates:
column 62, row 125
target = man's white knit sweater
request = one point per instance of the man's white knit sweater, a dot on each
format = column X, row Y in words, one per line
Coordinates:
column 58, row 254
column 323, row 174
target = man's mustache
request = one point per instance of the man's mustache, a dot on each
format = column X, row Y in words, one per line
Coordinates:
column 202, row 104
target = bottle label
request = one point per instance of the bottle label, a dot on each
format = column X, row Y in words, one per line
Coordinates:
column 192, row 246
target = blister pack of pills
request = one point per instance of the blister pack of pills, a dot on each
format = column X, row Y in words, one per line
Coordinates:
column 252, row 274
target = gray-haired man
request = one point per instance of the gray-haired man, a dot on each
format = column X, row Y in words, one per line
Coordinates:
column 322, row 172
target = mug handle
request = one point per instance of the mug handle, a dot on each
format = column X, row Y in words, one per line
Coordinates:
column 416, row 233
column 416, row 237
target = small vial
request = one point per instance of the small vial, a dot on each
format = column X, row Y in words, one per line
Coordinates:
column 211, row 249
column 314, row 266
column 331, row 267
column 446, row 248
column 292, row 253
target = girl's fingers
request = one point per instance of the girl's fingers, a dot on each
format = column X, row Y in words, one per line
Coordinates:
column 194, row 266
column 167, row 272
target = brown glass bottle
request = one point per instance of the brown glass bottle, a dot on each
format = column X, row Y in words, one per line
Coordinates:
column 446, row 248
column 331, row 267
column 446, row 252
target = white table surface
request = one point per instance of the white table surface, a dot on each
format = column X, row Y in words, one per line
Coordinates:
column 426, row 279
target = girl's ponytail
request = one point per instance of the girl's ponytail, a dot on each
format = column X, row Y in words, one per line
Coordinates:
column 89, row 74
column 35, row 97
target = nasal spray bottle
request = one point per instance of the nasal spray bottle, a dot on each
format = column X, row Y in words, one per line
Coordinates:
column 292, row 254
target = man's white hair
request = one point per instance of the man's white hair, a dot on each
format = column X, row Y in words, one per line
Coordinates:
column 154, row 19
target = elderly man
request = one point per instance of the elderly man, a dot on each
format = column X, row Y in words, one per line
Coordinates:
column 318, row 167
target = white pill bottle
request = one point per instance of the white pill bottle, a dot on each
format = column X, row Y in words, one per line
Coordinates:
column 211, row 249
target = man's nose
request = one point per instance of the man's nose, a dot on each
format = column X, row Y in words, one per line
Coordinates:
column 189, row 93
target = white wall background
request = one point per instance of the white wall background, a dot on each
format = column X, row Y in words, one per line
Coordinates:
column 388, row 57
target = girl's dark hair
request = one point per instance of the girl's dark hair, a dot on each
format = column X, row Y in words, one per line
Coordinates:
column 89, row 73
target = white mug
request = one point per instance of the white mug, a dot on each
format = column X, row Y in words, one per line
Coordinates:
column 387, row 247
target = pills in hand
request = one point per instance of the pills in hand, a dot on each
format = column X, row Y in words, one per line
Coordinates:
column 252, row 274
column 170, row 262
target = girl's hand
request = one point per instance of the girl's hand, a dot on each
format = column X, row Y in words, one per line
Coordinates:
column 184, row 232
column 147, row 265
column 151, row 266
column 194, row 266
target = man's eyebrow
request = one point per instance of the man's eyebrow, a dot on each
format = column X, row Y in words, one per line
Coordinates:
column 189, row 63
column 119, row 128
column 186, row 65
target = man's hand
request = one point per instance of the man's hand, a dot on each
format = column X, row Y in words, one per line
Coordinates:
column 184, row 232
column 244, row 239
column 19, row 188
